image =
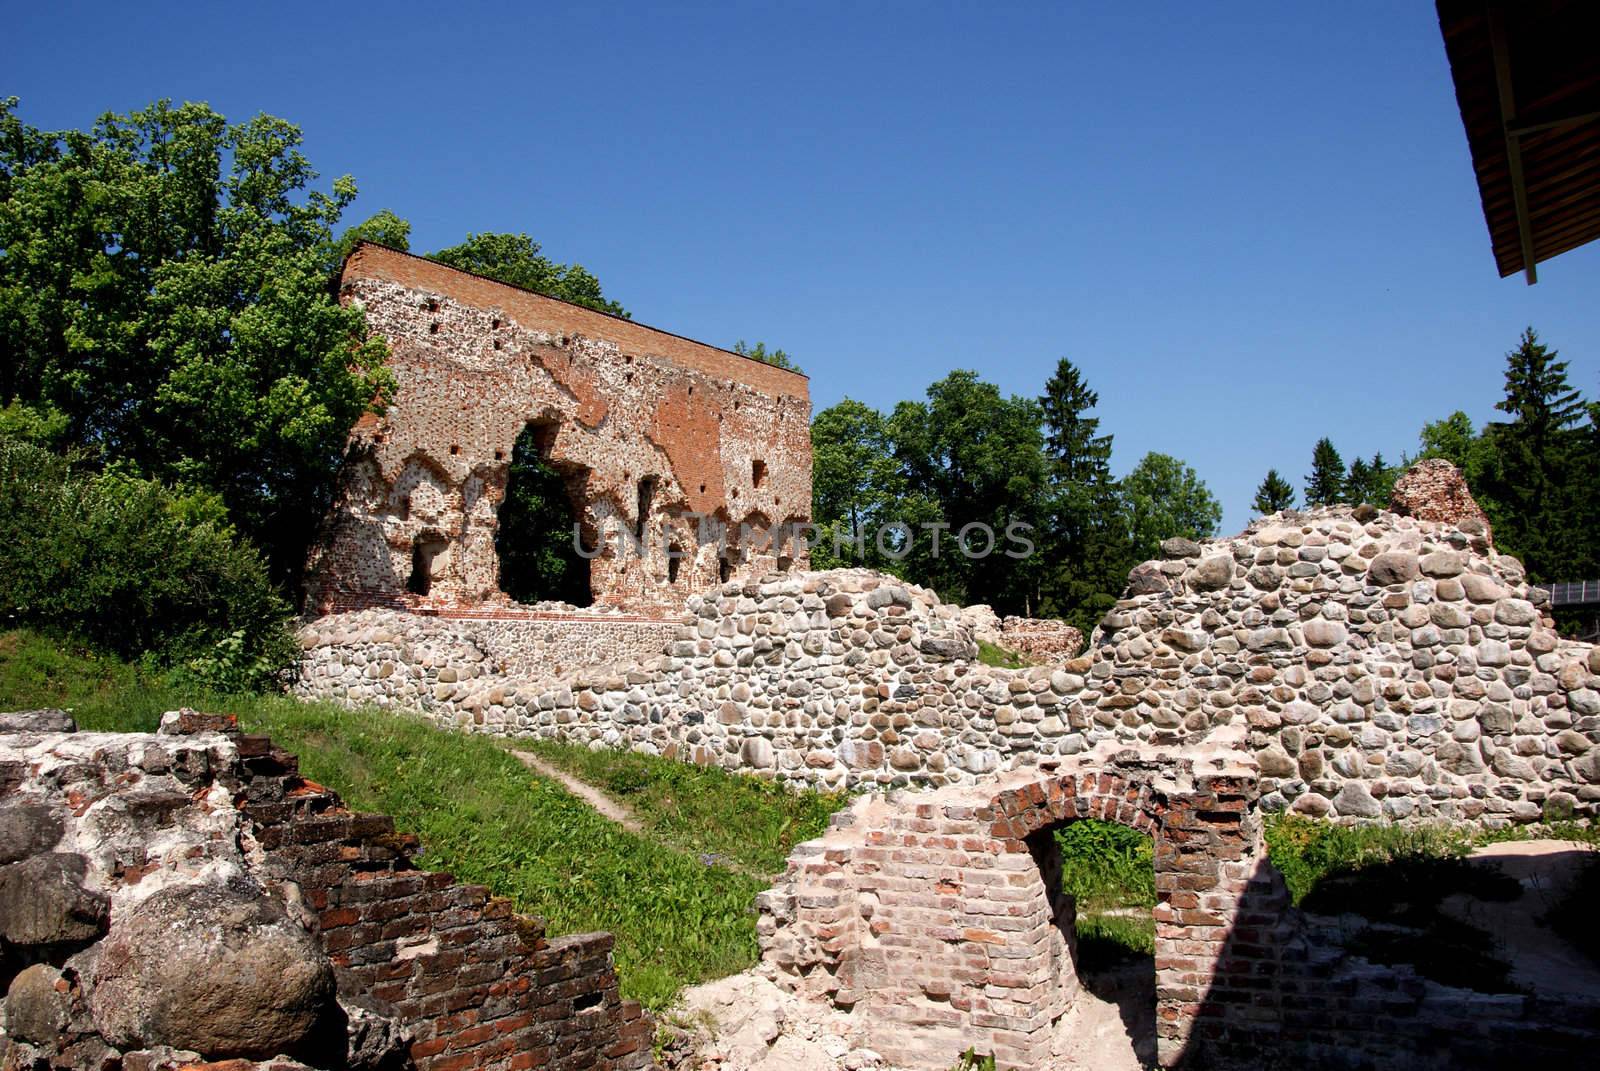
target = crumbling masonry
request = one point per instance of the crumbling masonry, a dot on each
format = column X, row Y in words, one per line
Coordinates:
column 692, row 452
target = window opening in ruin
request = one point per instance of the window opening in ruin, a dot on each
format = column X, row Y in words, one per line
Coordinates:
column 537, row 519
column 758, row 472
column 433, row 328
column 1100, row 878
column 674, row 561
column 647, row 493
column 785, row 563
column 724, row 569
column 423, row 553
column 454, row 449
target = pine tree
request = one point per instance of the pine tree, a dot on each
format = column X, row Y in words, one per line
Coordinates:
column 1086, row 545
column 1359, row 482
column 1274, row 495
column 1326, row 483
column 1538, row 476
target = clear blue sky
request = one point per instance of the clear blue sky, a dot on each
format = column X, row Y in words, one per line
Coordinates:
column 1251, row 224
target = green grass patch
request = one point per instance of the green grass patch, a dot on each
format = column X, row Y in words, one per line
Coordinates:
column 481, row 814
column 992, row 654
column 731, row 817
column 1110, row 870
column 1394, row 878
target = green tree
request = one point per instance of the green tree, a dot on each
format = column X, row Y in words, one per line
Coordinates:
column 759, row 352
column 975, row 457
column 534, row 539
column 383, row 227
column 516, row 259
column 1274, row 494
column 164, row 286
column 1164, row 498
column 1085, row 565
column 1326, row 483
column 856, row 485
column 1541, row 478
column 1358, row 483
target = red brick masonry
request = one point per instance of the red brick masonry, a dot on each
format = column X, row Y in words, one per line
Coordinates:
column 479, row 986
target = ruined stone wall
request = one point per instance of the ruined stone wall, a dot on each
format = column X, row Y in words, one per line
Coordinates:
column 934, row 922
column 148, row 878
column 1384, row 667
column 633, row 418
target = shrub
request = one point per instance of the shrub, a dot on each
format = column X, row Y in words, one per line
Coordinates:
column 135, row 567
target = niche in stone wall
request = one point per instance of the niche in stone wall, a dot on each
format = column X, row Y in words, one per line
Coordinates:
column 430, row 556
column 541, row 511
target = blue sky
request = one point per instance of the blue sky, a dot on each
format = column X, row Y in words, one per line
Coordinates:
column 1251, row 225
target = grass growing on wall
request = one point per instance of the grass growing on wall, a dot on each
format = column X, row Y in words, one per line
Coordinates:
column 992, row 654
column 482, row 815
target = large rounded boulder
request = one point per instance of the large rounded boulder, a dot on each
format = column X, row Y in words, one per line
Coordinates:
column 216, row 969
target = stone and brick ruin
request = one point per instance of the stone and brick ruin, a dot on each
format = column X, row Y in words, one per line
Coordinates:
column 1355, row 665
column 184, row 899
column 691, row 453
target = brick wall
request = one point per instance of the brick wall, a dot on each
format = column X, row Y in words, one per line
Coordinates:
column 479, row 986
column 937, row 919
column 648, row 429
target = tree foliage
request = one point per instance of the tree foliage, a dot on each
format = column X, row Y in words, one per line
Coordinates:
column 969, row 453
column 1274, row 494
column 130, row 565
column 1534, row 473
column 164, row 289
column 1326, row 483
column 516, row 259
column 759, row 352
column 534, row 540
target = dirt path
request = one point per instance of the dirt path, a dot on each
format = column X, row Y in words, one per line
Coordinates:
column 602, row 803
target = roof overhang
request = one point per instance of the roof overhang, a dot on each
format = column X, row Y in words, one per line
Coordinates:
column 1527, row 77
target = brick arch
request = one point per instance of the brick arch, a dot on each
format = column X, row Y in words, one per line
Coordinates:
column 1020, row 811
column 934, row 914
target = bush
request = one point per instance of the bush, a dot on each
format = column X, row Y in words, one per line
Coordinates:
column 136, row 568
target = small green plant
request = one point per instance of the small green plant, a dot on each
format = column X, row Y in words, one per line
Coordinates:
column 972, row 1061
column 991, row 654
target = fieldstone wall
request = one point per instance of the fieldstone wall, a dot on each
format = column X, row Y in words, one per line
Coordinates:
column 181, row 897
column 660, row 439
column 936, row 921
column 1383, row 667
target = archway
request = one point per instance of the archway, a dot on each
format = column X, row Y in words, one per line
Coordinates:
column 539, row 528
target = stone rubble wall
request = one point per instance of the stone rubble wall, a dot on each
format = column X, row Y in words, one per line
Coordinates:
column 1046, row 641
column 146, row 878
column 1385, row 667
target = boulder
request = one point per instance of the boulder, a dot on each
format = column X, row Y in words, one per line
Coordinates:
column 37, row 1009
column 43, row 902
column 219, row 969
column 37, row 721
column 1393, row 567
column 1179, row 547
column 27, row 829
column 1212, row 573
column 1354, row 800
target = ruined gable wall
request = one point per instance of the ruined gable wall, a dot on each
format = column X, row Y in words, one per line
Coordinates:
column 475, row 362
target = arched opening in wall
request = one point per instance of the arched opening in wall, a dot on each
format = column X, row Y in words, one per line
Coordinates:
column 540, row 524
column 1100, row 877
column 427, row 555
column 647, row 495
column 675, row 556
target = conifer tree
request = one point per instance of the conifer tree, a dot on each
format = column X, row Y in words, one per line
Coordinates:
column 1326, row 483
column 1274, row 495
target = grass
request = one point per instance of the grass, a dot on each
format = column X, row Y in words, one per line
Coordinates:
column 1110, row 870
column 485, row 817
column 730, row 818
column 1394, row 878
column 992, row 654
